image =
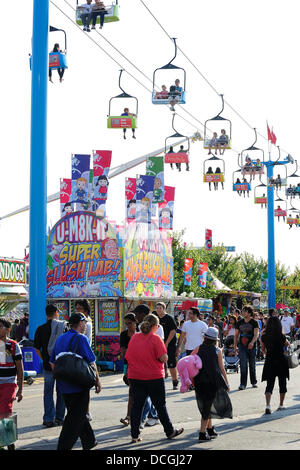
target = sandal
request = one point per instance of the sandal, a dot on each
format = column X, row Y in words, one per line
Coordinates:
column 176, row 433
column 125, row 421
column 134, row 441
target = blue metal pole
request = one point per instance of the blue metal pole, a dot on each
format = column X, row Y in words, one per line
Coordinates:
column 38, row 166
column 271, row 239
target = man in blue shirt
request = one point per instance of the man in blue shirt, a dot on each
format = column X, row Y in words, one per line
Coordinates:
column 76, row 423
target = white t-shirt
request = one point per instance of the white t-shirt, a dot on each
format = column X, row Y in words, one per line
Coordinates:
column 85, row 8
column 231, row 332
column 287, row 323
column 194, row 333
column 160, row 332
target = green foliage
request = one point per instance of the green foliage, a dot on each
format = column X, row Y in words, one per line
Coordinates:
column 241, row 272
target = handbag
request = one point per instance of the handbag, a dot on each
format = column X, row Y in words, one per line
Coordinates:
column 292, row 358
column 74, row 369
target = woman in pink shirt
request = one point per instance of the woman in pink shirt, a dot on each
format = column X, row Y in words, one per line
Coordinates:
column 146, row 355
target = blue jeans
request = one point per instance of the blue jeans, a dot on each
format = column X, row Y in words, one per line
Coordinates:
column 50, row 411
column 247, row 356
column 149, row 410
column 94, row 17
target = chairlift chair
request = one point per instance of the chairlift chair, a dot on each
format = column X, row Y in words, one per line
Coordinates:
column 165, row 97
column 119, row 121
column 213, row 176
column 57, row 60
column 176, row 157
column 225, row 124
column 111, row 16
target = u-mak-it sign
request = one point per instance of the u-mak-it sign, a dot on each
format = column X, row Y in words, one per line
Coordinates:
column 12, row 271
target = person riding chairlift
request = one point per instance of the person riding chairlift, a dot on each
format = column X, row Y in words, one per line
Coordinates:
column 127, row 113
column 60, row 71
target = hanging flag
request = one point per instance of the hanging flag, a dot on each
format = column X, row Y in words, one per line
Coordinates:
column 274, row 138
column 144, row 195
column 130, row 199
column 188, row 267
column 202, row 273
column 101, row 166
column 208, row 239
column 65, row 193
column 166, row 209
column 269, row 133
column 80, row 178
column 155, row 167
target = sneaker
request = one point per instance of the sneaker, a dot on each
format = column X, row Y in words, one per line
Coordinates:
column 152, row 422
column 280, row 407
column 142, row 425
column 93, row 27
column 203, row 437
column 242, row 387
column 59, row 422
column 268, row 410
column 89, row 416
column 48, row 424
column 172, row 108
column 254, row 385
column 212, row 432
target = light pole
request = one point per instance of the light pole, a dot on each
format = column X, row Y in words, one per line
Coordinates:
column 38, row 166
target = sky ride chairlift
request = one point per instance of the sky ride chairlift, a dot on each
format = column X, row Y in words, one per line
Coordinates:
column 217, row 176
column 57, row 60
column 222, row 142
column 111, row 16
column 176, row 157
column 240, row 185
column 127, row 120
column 172, row 96
column 251, row 160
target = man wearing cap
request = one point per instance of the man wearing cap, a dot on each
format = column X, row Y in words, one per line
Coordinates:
column 287, row 322
column 53, row 415
column 76, row 423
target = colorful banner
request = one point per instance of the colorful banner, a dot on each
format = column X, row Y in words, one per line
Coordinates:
column 65, row 194
column 188, row 267
column 80, row 178
column 108, row 311
column 148, row 262
column 264, row 281
column 166, row 209
column 83, row 258
column 144, row 195
column 208, row 239
column 130, row 199
column 155, row 167
column 101, row 166
column 202, row 272
column 12, row 271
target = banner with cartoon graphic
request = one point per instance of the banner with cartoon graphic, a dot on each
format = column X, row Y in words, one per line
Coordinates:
column 101, row 166
column 80, row 178
column 202, row 273
column 65, row 194
column 83, row 258
column 166, row 209
column 155, row 167
column 208, row 239
column 144, row 195
column 188, row 266
column 130, row 199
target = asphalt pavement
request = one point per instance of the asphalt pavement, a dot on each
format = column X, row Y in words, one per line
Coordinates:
column 250, row 428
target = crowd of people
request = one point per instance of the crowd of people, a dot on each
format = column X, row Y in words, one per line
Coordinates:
column 152, row 345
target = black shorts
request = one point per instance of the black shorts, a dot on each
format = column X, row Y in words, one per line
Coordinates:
column 172, row 356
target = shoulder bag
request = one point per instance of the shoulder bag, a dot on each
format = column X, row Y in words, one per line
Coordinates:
column 73, row 369
column 292, row 358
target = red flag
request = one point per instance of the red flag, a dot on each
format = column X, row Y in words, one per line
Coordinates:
column 273, row 137
column 269, row 133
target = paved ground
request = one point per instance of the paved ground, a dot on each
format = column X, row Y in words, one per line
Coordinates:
column 249, row 429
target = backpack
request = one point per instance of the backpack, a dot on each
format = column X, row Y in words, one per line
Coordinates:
column 57, row 329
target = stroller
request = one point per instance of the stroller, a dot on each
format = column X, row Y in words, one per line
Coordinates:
column 231, row 360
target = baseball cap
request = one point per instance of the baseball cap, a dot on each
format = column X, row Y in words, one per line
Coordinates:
column 211, row 333
column 142, row 308
column 76, row 318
